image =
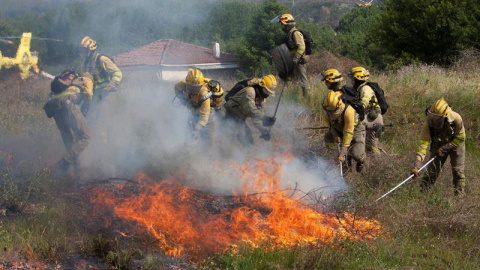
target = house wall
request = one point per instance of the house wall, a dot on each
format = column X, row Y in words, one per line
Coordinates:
column 173, row 75
column 140, row 79
column 148, row 77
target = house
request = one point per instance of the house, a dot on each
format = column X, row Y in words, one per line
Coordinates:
column 169, row 60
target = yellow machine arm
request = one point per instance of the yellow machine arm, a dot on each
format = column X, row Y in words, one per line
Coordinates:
column 24, row 59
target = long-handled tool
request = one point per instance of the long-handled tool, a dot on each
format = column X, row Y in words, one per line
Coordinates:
column 404, row 181
column 340, row 162
column 321, row 127
column 270, row 120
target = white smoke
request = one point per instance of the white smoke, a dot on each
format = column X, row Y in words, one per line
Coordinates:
column 146, row 131
column 139, row 128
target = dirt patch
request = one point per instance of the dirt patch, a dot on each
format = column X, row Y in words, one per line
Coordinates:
column 325, row 60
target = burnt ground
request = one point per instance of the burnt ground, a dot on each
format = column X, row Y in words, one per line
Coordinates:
column 30, row 143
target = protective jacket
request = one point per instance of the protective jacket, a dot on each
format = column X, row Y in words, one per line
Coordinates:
column 103, row 70
column 70, row 121
column 248, row 102
column 81, row 89
column 196, row 98
column 453, row 133
column 368, row 97
column 295, row 41
column 343, row 121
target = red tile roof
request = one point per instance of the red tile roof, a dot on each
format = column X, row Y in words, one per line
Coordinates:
column 170, row 52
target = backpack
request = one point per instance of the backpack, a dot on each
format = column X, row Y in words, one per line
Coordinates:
column 309, row 43
column 63, row 81
column 351, row 97
column 380, row 95
column 237, row 87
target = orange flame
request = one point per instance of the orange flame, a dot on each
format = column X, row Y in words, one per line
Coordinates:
column 180, row 219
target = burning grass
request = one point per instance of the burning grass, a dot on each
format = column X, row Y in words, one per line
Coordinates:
column 188, row 222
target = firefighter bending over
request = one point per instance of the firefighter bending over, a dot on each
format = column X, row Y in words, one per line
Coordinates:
column 346, row 129
column 194, row 93
column 246, row 99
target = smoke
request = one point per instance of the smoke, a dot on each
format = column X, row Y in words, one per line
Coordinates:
column 140, row 128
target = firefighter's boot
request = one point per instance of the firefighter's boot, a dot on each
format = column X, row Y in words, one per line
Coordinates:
column 60, row 169
column 460, row 188
column 360, row 165
column 78, row 171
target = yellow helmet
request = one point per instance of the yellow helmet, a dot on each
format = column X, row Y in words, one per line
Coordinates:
column 88, row 43
column 332, row 75
column 194, row 76
column 332, row 101
column 439, row 108
column 287, row 19
column 437, row 114
column 360, row 73
column 269, row 83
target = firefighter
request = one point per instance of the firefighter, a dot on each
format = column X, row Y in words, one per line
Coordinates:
column 246, row 99
column 296, row 44
column 107, row 76
column 64, row 107
column 195, row 94
column 373, row 114
column 333, row 80
column 444, row 132
column 345, row 128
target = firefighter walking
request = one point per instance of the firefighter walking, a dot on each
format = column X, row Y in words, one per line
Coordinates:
column 64, row 107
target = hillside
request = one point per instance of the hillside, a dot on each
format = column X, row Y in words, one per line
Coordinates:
column 318, row 11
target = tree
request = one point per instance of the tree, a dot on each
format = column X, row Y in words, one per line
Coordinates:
column 430, row 31
column 262, row 37
column 353, row 33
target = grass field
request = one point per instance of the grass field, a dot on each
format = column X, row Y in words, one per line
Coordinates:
column 431, row 230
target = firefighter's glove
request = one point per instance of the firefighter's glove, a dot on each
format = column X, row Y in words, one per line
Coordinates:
column 266, row 136
column 305, row 59
column 111, row 86
column 196, row 132
column 268, row 121
column 416, row 168
column 342, row 153
column 444, row 150
column 296, row 58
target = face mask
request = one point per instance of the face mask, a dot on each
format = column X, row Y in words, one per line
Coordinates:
column 265, row 93
column 435, row 121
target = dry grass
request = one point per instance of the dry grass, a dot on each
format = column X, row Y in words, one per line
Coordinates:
column 432, row 230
